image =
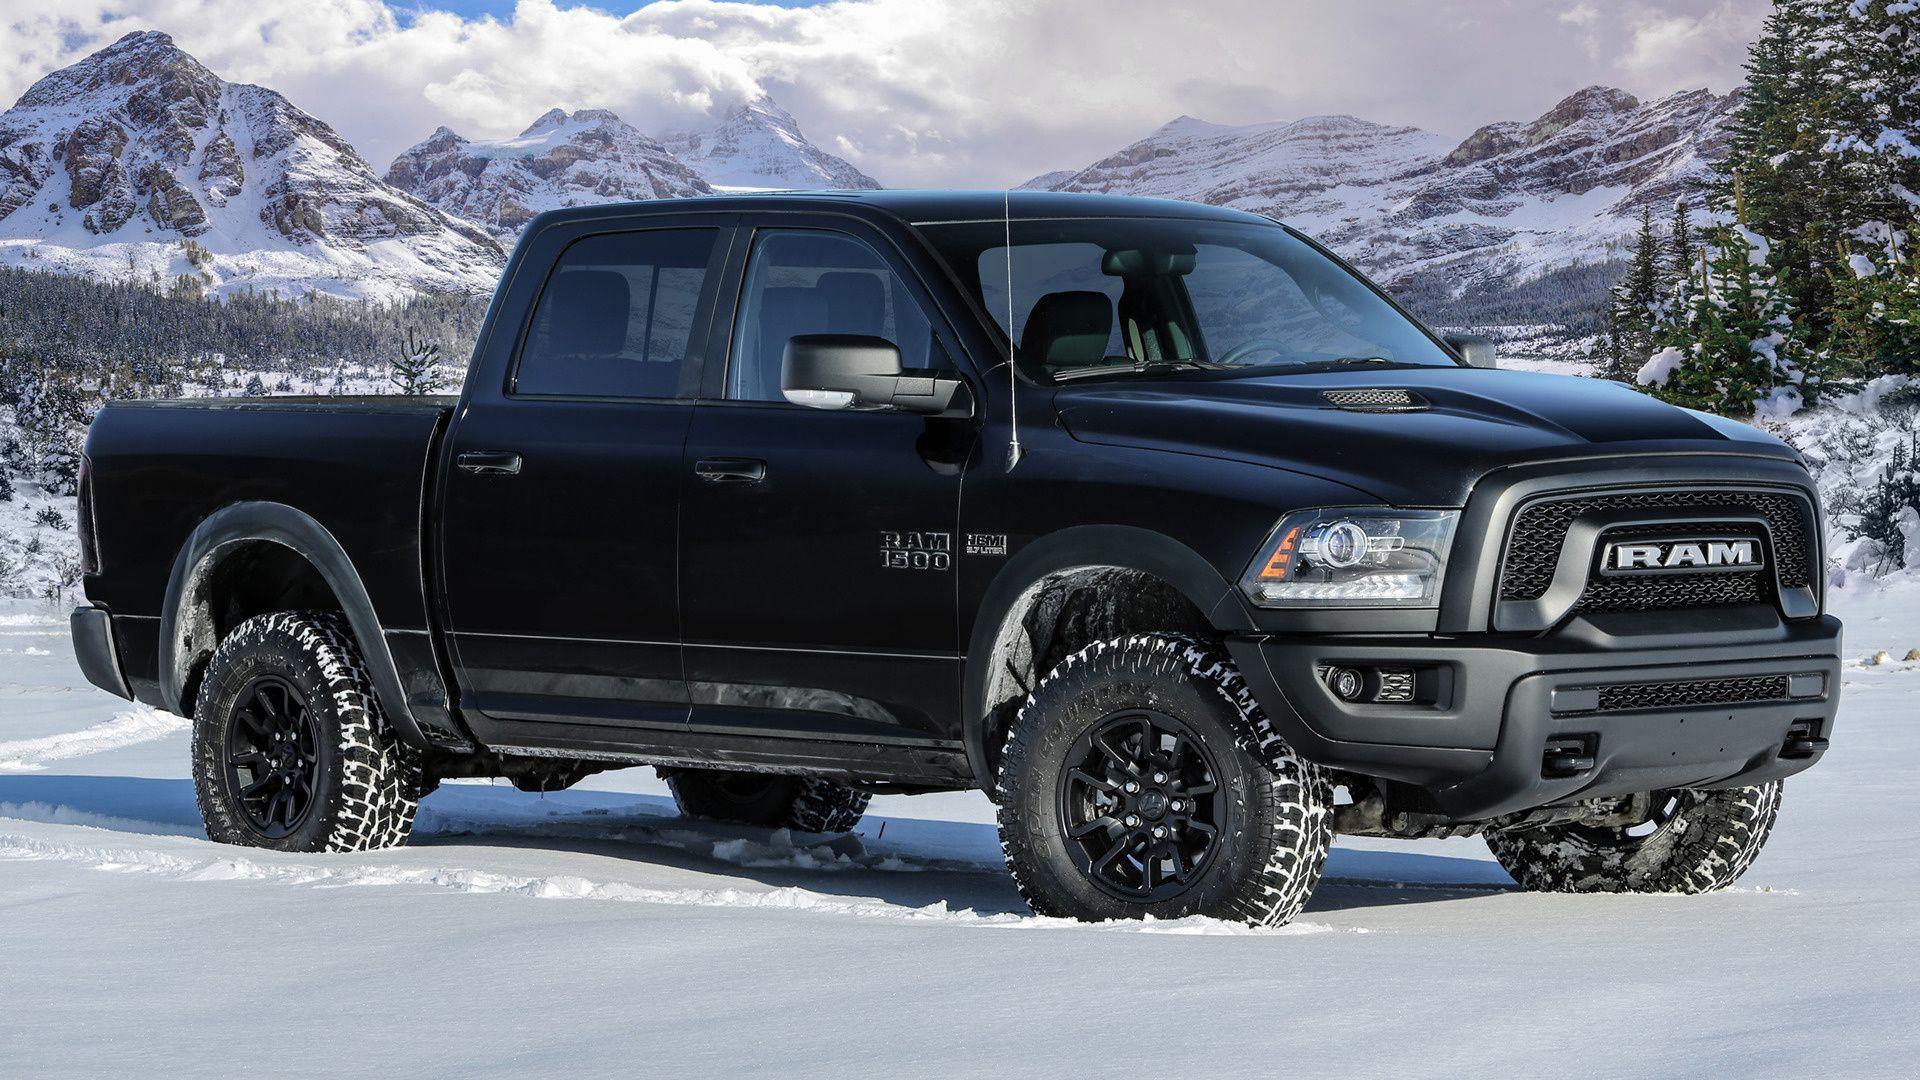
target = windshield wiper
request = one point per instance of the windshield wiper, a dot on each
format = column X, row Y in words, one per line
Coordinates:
column 1345, row 362
column 1138, row 367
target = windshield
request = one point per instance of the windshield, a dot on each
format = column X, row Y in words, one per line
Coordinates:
column 1114, row 296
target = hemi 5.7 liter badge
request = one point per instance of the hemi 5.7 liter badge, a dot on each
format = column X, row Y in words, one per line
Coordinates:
column 916, row 551
column 986, row 543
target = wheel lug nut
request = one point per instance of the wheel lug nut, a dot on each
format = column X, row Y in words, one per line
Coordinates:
column 1133, row 820
column 1159, row 832
column 1159, row 778
column 1132, row 787
column 1176, row 806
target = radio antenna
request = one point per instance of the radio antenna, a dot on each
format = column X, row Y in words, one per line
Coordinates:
column 1014, row 451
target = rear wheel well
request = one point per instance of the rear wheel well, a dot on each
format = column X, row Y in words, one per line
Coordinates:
column 241, row 580
column 1064, row 612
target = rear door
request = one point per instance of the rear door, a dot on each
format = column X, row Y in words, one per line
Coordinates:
column 559, row 528
column 817, row 547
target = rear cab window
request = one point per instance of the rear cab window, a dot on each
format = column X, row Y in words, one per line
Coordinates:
column 616, row 316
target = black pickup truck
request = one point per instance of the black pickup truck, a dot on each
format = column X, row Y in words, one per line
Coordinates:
column 1155, row 521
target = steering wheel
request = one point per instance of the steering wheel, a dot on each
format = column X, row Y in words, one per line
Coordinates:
column 1248, row 348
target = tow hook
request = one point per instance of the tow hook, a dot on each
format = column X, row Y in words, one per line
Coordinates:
column 1803, row 741
column 1567, row 755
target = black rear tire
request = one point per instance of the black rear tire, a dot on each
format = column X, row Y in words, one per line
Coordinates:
column 1699, row 841
column 1141, row 779
column 290, row 748
column 801, row 803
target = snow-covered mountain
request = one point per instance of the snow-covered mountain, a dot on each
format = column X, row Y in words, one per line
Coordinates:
column 1513, row 200
column 139, row 160
column 590, row 156
column 758, row 145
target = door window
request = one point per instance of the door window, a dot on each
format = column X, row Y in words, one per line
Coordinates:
column 616, row 316
column 801, row 282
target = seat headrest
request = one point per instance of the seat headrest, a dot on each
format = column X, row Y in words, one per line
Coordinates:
column 1068, row 329
column 590, row 314
column 784, row 313
column 856, row 302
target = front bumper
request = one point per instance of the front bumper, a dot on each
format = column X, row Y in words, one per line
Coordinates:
column 93, row 647
column 1478, row 749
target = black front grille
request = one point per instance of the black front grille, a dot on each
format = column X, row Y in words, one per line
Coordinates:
column 1679, row 694
column 1661, row 591
column 1540, row 530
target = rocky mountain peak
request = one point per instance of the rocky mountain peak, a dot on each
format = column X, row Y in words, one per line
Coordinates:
column 1514, row 199
column 148, row 56
column 561, row 159
column 1595, row 103
column 549, row 119
column 758, row 144
column 141, row 144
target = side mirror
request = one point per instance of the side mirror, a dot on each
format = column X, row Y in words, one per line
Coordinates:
column 842, row 371
column 1475, row 350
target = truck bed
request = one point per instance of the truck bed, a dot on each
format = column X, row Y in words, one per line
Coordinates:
column 358, row 466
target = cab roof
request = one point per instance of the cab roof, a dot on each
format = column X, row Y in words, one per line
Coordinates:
column 925, row 207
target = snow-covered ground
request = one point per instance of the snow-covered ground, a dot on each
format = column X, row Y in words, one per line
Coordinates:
column 593, row 932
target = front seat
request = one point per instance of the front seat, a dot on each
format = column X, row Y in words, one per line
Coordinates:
column 856, row 302
column 784, row 313
column 1067, row 330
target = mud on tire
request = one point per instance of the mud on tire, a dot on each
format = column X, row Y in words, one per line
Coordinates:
column 1700, row 841
column 1111, row 745
column 802, row 803
column 301, row 672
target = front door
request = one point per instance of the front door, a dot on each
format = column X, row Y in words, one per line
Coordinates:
column 558, row 535
column 817, row 547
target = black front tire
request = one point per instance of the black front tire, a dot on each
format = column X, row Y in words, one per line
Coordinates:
column 801, row 803
column 1698, row 842
column 1142, row 779
column 350, row 783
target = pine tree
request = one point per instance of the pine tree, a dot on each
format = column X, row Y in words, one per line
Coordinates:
column 1867, row 59
column 1742, row 352
column 1871, row 158
column 1774, row 158
column 415, row 368
column 1683, row 255
column 1876, row 324
column 1637, row 301
column 1607, row 356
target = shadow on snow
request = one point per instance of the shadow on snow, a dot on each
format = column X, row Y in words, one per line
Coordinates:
column 905, row 861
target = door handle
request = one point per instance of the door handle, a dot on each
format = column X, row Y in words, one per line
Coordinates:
column 490, row 462
column 730, row 470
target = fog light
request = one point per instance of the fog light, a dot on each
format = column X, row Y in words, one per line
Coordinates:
column 1345, row 683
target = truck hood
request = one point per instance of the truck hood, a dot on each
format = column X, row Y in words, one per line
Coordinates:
column 1476, row 420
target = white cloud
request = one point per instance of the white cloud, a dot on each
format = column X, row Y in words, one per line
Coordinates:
column 918, row 91
column 1582, row 14
column 1689, row 46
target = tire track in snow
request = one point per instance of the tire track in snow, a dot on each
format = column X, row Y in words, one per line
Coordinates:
column 187, row 867
column 129, row 728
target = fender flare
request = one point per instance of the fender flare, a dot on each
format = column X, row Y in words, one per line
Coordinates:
column 1084, row 547
column 278, row 523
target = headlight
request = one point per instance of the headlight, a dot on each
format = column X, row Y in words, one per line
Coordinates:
column 1360, row 557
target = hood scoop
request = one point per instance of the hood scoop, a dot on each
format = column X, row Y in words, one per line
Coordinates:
column 1376, row 399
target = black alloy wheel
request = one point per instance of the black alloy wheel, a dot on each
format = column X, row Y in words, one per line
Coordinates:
column 272, row 755
column 1141, row 805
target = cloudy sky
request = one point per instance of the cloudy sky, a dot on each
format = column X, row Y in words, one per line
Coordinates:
column 950, row 92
